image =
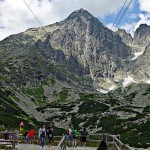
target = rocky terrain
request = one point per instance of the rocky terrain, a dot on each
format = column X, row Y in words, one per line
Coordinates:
column 62, row 73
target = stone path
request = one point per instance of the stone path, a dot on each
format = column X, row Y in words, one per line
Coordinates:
column 37, row 147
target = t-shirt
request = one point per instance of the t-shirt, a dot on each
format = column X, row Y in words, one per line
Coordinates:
column 49, row 132
column 31, row 133
column 70, row 131
column 74, row 132
column 42, row 132
column 84, row 133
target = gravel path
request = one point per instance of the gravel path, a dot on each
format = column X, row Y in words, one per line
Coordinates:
column 37, row 147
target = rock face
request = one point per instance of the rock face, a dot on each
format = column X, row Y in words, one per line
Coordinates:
column 140, row 68
column 80, row 44
column 54, row 75
column 126, row 37
column 142, row 35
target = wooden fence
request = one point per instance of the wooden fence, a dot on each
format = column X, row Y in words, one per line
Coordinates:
column 114, row 140
column 10, row 141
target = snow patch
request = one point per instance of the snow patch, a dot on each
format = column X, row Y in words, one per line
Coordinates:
column 128, row 80
column 148, row 81
column 106, row 91
column 136, row 55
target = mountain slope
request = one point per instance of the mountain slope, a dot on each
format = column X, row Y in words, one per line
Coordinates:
column 80, row 44
column 54, row 74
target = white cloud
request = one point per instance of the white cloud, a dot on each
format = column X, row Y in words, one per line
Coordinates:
column 131, row 27
column 15, row 17
column 144, row 18
column 144, row 5
column 110, row 25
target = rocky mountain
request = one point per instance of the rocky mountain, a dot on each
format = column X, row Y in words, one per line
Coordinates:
column 142, row 36
column 126, row 37
column 80, row 44
column 140, row 68
column 57, row 73
column 140, row 40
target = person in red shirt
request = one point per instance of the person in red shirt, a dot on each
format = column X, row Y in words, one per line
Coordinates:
column 31, row 135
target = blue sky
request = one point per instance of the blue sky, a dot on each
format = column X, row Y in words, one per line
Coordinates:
column 15, row 17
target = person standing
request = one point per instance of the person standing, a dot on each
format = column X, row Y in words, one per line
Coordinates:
column 50, row 134
column 69, row 135
column 74, row 137
column 16, row 135
column 102, row 146
column 84, row 134
column 42, row 136
column 31, row 135
column 25, row 136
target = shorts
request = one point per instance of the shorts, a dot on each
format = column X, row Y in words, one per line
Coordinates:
column 50, row 139
column 68, row 137
column 74, row 137
column 83, row 139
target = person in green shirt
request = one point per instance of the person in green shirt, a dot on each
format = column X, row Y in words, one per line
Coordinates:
column 74, row 137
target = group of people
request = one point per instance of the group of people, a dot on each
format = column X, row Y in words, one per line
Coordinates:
column 11, row 134
column 71, row 135
column 28, row 136
column 43, row 132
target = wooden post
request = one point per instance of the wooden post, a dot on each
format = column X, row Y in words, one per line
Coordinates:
column 103, row 136
column 65, row 142
column 13, row 141
column 113, row 143
column 106, row 139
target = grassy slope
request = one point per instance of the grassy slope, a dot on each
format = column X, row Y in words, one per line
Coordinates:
column 10, row 114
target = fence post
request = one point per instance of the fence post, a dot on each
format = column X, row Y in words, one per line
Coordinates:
column 113, row 143
column 65, row 142
column 13, row 141
column 103, row 137
column 106, row 138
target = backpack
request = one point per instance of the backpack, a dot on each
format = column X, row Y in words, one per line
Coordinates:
column 50, row 132
column 42, row 134
column 67, row 132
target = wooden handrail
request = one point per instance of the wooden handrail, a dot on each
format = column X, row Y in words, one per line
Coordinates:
column 117, row 144
column 62, row 144
column 12, row 141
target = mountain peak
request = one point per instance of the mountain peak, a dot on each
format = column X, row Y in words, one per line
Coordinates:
column 79, row 13
column 143, row 25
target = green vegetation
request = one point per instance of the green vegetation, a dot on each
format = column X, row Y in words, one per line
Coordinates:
column 87, row 97
column 10, row 114
column 76, row 121
column 63, row 95
column 92, row 107
column 125, row 109
column 37, row 93
column 91, row 121
column 129, row 97
column 147, row 110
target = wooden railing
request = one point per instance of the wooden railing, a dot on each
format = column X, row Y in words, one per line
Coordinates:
column 113, row 140
column 10, row 141
column 110, row 139
column 62, row 144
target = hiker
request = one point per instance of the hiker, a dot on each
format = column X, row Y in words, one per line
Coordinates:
column 84, row 134
column 31, row 135
column 16, row 135
column 69, row 135
column 74, row 137
column 6, row 134
column 49, row 132
column 102, row 146
column 42, row 136
column 25, row 136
